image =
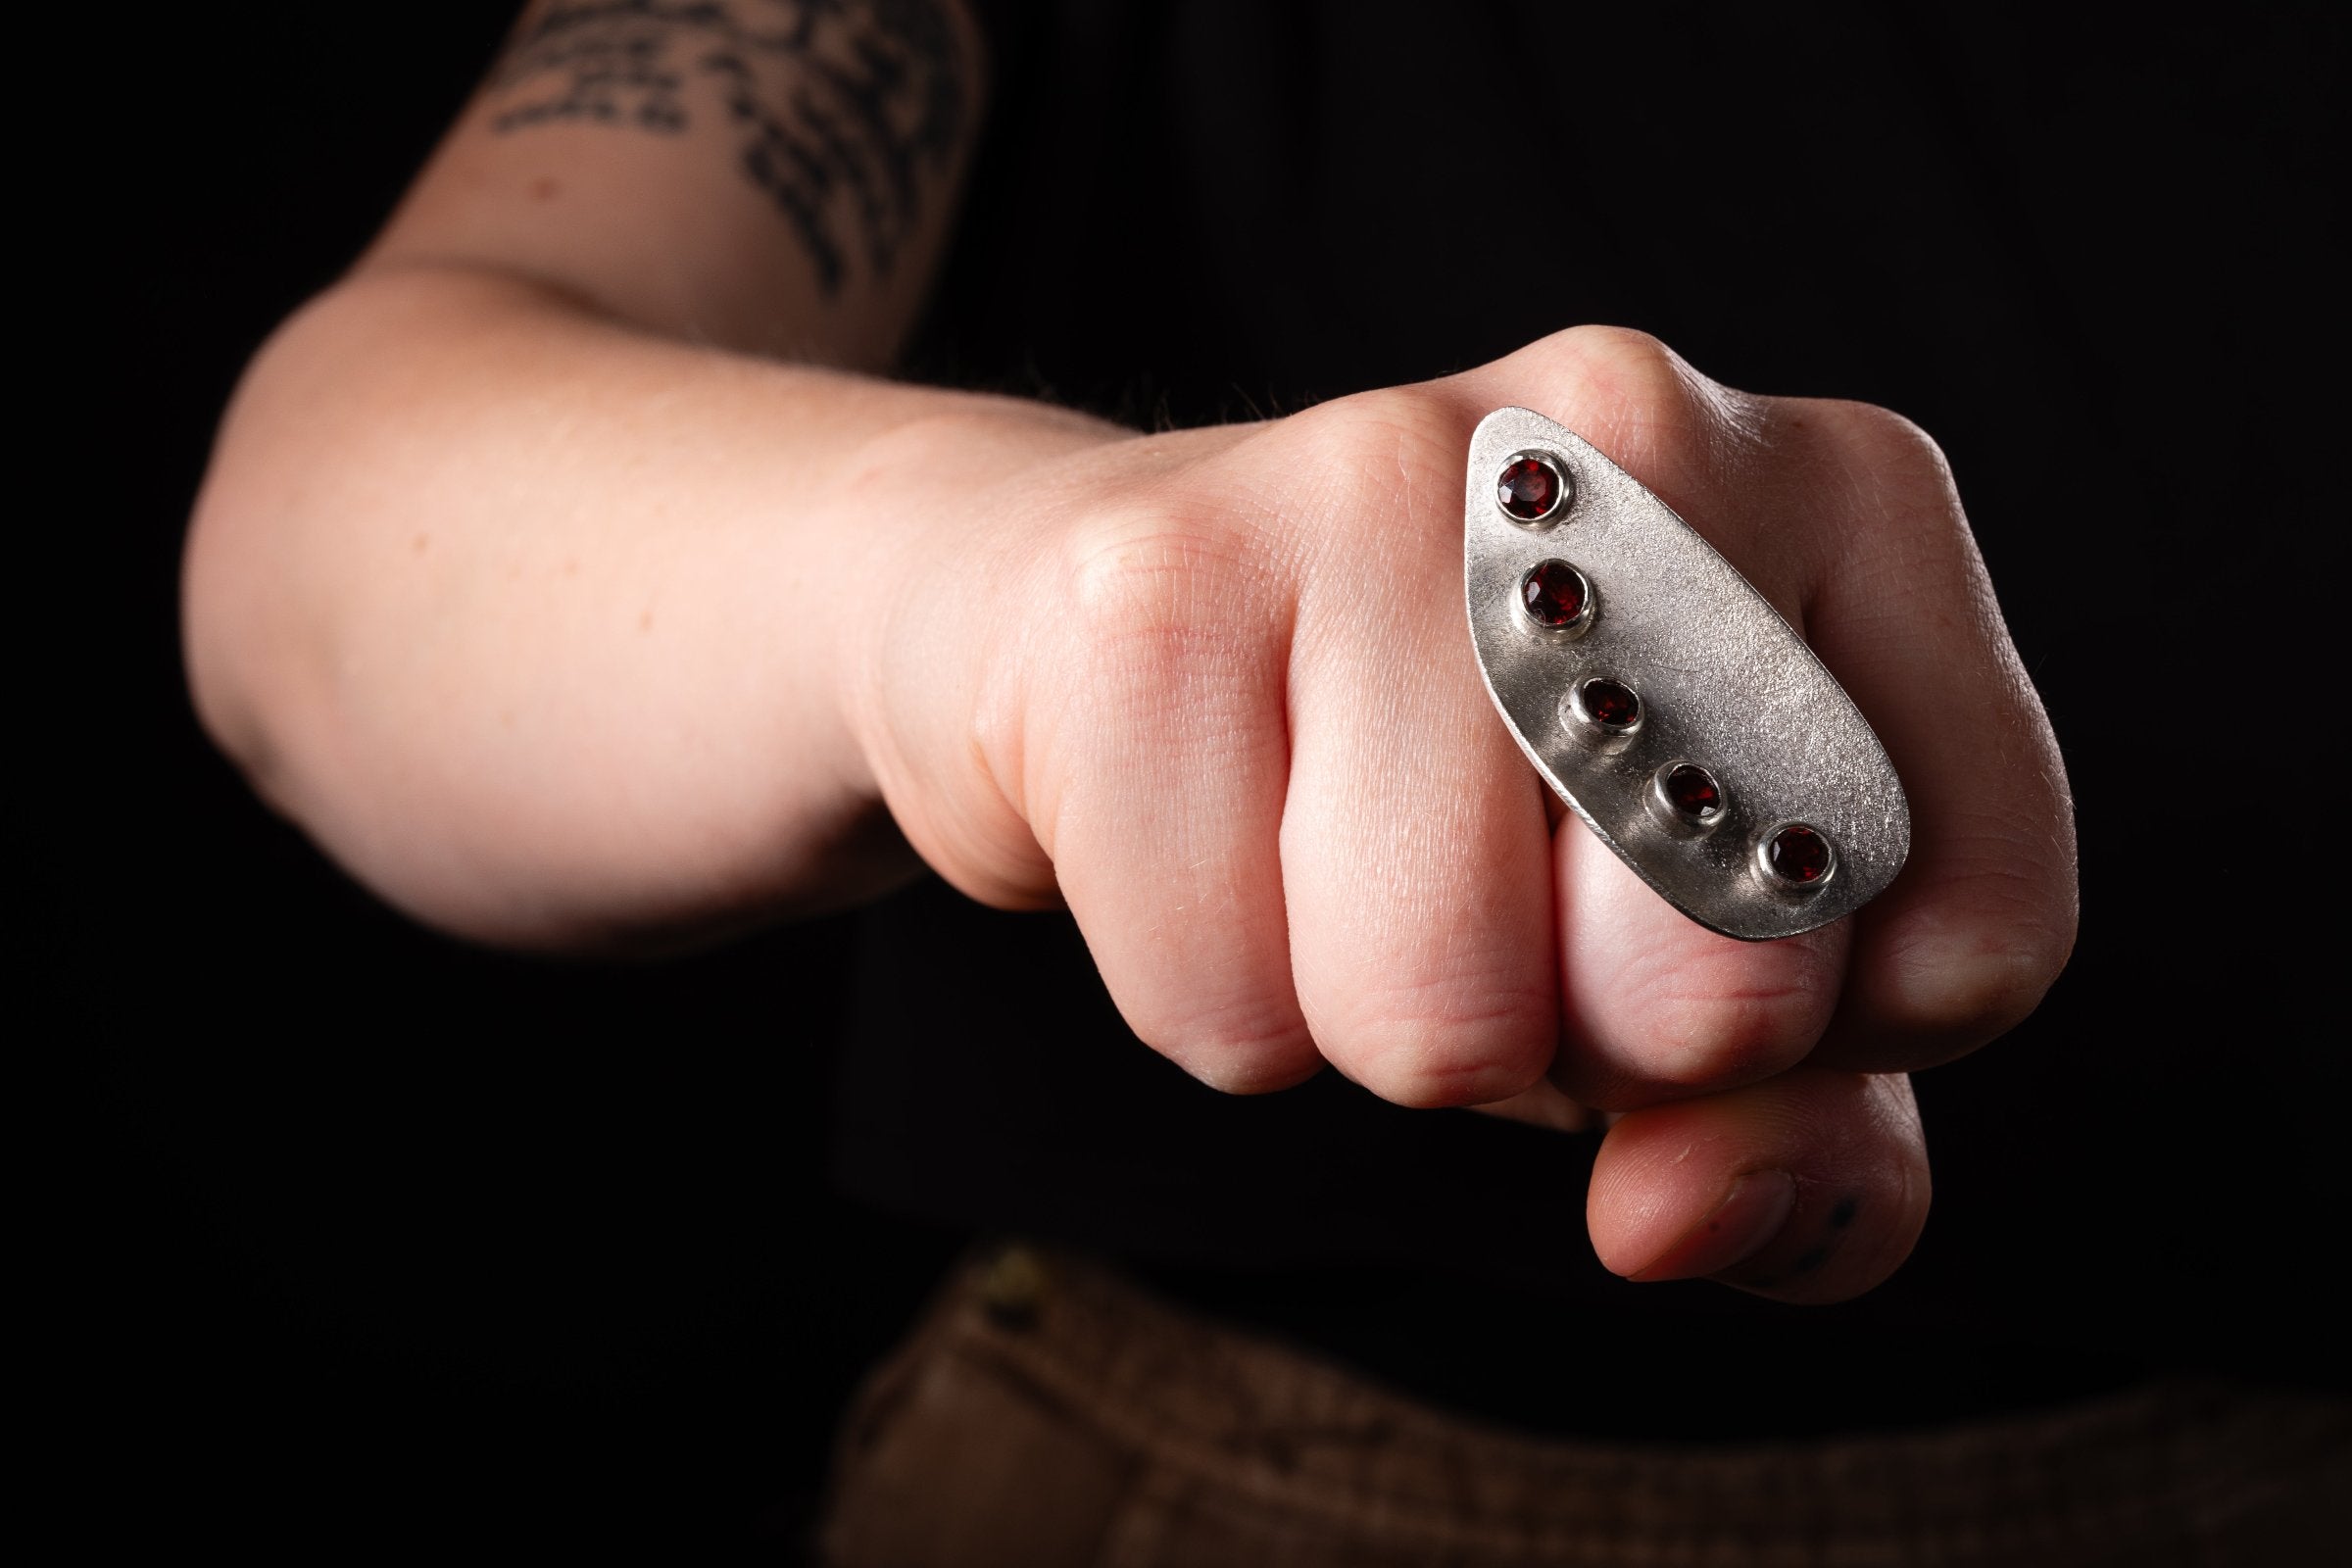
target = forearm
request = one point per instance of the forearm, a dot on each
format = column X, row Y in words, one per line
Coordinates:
column 537, row 622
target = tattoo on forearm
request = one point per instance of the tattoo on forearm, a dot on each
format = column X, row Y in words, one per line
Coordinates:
column 842, row 106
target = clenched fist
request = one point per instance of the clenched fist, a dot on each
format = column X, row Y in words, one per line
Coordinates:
column 1213, row 689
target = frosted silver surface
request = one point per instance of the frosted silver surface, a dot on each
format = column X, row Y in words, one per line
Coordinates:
column 1723, row 683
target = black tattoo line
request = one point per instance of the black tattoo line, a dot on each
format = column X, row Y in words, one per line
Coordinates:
column 842, row 105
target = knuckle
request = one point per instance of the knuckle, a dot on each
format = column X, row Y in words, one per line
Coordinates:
column 1168, row 585
column 1722, row 1039
column 1980, row 966
column 1715, row 1019
column 1969, row 953
column 1886, row 435
column 1397, row 450
column 1892, row 458
column 1240, row 1050
column 1626, row 357
column 1159, row 647
column 1437, row 1081
column 1656, row 386
column 1986, row 989
column 1438, row 1045
column 1649, row 409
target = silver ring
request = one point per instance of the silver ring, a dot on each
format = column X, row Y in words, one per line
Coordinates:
column 1722, row 683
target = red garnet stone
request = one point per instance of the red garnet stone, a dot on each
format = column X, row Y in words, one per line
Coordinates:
column 1797, row 854
column 1553, row 593
column 1529, row 488
column 1612, row 703
column 1691, row 788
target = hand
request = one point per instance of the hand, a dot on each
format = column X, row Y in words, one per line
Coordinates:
column 1214, row 688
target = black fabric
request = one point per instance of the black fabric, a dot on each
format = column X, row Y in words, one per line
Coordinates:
column 2074, row 256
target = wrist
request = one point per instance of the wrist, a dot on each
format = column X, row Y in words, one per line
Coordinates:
column 944, row 519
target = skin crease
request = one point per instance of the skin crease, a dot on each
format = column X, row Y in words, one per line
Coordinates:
column 573, row 576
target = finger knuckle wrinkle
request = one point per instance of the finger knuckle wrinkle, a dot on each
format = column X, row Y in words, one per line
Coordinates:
column 1159, row 582
column 2016, row 892
column 1625, row 348
column 1636, row 369
column 1248, row 1050
column 1261, row 1073
column 1717, row 1018
column 1436, row 1080
column 1399, row 446
column 1654, row 410
column 1983, row 974
column 1720, row 1038
column 1894, row 449
column 1443, row 1045
column 1994, row 989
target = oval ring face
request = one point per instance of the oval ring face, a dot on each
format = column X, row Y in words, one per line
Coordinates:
column 1721, row 681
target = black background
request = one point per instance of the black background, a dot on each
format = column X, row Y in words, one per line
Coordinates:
column 370, row 1237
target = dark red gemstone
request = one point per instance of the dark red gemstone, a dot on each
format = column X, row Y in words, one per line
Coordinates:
column 1691, row 788
column 1553, row 593
column 1612, row 703
column 1529, row 488
column 1797, row 854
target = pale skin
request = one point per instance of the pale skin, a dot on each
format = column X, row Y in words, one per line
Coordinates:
column 574, row 576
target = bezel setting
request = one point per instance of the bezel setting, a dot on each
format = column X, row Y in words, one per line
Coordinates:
column 1670, row 814
column 1576, row 625
column 1576, row 708
column 1780, row 882
column 1563, row 489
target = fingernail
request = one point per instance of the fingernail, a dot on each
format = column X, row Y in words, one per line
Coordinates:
column 1750, row 1217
